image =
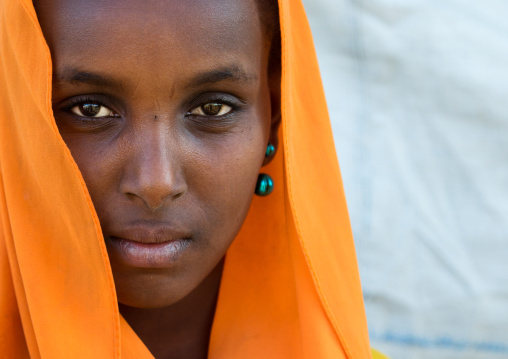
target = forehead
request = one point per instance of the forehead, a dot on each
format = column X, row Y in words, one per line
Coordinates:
column 152, row 33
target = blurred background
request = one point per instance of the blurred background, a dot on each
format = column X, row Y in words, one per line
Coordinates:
column 418, row 97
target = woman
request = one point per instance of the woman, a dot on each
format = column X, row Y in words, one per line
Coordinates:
column 132, row 139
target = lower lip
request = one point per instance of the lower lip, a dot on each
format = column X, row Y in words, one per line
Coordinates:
column 148, row 255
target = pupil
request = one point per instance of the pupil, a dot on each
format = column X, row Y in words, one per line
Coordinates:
column 212, row 109
column 90, row 109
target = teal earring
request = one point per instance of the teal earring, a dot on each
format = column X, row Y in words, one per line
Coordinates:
column 270, row 150
column 264, row 185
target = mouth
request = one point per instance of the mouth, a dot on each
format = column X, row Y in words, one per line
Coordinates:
column 148, row 247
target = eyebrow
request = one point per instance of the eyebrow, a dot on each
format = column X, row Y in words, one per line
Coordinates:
column 76, row 76
column 230, row 73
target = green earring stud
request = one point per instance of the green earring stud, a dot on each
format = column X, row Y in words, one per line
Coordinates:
column 270, row 150
column 264, row 185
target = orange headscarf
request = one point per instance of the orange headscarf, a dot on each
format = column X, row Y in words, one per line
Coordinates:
column 290, row 287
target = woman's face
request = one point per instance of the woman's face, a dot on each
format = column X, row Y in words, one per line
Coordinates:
column 166, row 108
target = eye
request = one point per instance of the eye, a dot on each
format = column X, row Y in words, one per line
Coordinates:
column 92, row 109
column 211, row 109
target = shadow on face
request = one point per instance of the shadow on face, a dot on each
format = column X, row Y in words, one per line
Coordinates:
column 166, row 107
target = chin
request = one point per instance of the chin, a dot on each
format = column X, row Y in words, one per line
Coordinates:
column 152, row 290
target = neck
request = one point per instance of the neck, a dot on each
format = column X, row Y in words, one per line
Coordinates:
column 181, row 330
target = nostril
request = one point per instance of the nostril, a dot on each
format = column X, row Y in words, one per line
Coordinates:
column 155, row 202
column 152, row 177
column 152, row 196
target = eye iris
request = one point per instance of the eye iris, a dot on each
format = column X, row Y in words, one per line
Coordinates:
column 212, row 109
column 90, row 109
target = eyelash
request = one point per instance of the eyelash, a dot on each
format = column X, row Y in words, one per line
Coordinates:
column 202, row 100
column 82, row 100
column 223, row 100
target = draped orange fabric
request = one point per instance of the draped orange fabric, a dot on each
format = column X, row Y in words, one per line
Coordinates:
column 290, row 287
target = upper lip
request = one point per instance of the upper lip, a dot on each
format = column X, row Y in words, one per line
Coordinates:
column 150, row 234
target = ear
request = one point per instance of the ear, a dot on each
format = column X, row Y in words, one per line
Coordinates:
column 276, row 112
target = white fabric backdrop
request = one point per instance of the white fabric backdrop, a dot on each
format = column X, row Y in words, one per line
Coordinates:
column 418, row 96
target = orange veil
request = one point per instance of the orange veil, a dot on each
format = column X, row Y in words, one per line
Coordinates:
column 290, row 287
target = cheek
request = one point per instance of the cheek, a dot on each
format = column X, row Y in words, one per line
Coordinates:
column 99, row 161
column 224, row 177
column 226, row 167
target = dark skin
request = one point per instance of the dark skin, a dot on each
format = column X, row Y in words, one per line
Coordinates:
column 167, row 108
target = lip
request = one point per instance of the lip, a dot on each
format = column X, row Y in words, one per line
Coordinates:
column 148, row 247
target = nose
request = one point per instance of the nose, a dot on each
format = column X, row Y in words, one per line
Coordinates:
column 153, row 174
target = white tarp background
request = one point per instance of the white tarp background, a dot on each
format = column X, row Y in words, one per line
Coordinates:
column 418, row 95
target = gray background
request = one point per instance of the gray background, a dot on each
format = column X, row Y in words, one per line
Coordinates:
column 418, row 97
